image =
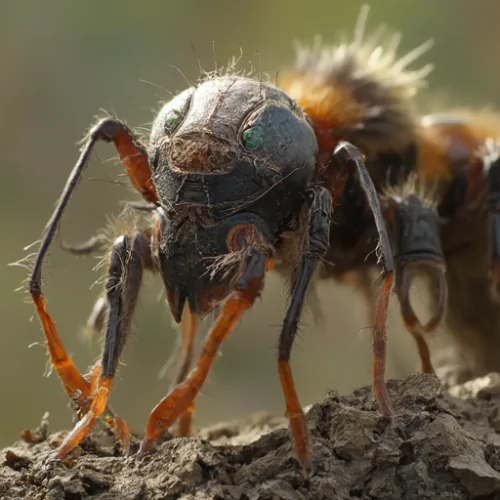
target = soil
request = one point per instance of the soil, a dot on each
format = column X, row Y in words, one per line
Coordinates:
column 441, row 445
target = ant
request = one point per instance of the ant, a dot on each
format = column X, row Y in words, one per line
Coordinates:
column 240, row 177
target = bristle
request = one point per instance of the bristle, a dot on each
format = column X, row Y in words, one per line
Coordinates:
column 393, row 46
column 414, row 54
column 360, row 90
column 413, row 185
column 231, row 69
column 360, row 28
column 372, row 44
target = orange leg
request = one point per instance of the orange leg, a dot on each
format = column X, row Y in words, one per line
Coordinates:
column 379, row 346
column 295, row 415
column 318, row 226
column 129, row 257
column 423, row 352
column 185, row 422
column 189, row 327
column 135, row 159
column 364, row 284
column 115, row 423
column 362, row 281
column 353, row 154
column 119, row 428
column 75, row 385
column 85, row 426
column 181, row 398
column 378, row 310
column 92, row 378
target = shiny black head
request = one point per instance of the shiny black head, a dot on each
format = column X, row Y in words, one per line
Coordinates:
column 231, row 152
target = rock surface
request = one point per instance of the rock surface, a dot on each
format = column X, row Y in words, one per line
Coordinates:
column 439, row 446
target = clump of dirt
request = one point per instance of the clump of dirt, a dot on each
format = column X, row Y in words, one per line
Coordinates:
column 440, row 446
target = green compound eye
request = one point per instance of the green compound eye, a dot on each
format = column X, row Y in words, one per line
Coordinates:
column 171, row 121
column 252, row 138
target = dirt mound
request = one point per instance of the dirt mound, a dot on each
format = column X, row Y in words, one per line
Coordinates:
column 442, row 446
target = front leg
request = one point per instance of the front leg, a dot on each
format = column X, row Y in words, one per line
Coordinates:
column 320, row 208
column 188, row 330
column 181, row 399
column 129, row 257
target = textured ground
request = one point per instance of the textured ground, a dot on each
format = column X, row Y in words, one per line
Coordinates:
column 440, row 446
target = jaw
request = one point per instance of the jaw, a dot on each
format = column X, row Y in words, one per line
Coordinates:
column 200, row 265
column 202, row 292
column 432, row 268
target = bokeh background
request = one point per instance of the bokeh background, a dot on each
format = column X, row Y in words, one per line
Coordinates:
column 62, row 62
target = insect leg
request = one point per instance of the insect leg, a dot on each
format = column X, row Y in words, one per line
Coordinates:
column 181, row 398
column 135, row 159
column 189, row 328
column 94, row 244
column 319, row 233
column 129, row 257
column 99, row 241
column 379, row 331
column 97, row 319
column 115, row 423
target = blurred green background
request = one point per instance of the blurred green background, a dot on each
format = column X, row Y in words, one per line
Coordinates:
column 63, row 61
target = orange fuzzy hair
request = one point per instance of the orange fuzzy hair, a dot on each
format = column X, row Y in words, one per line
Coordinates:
column 358, row 91
column 450, row 138
column 446, row 142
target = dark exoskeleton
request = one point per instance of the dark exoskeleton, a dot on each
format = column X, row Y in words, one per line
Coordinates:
column 231, row 167
column 241, row 177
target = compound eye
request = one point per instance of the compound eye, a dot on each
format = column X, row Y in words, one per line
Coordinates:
column 252, row 138
column 178, row 109
column 172, row 121
column 273, row 134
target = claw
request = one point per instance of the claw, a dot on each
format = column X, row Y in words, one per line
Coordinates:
column 119, row 428
column 85, row 426
column 440, row 292
column 436, row 270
